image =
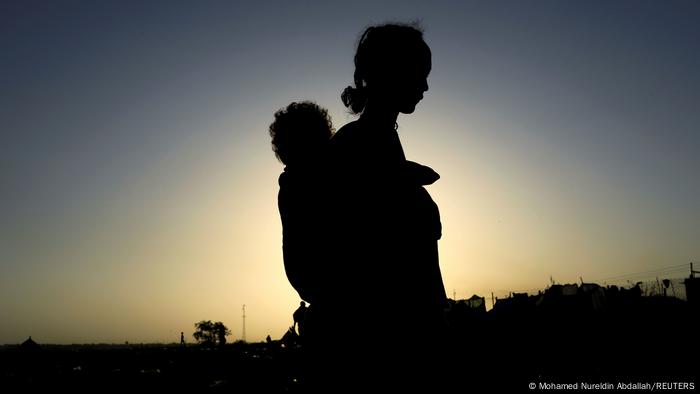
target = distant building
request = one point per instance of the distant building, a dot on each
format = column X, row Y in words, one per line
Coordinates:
column 29, row 345
column 517, row 304
column 593, row 296
column 692, row 290
column 462, row 314
column 476, row 303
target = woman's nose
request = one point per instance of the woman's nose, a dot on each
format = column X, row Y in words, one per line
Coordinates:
column 422, row 83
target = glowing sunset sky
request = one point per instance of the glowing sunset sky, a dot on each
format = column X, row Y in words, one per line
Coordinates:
column 138, row 190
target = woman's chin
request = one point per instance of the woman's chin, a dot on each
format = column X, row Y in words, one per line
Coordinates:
column 408, row 109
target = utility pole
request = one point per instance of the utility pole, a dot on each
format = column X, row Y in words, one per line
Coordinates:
column 243, row 332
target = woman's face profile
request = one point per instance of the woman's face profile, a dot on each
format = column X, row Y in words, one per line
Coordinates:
column 415, row 83
column 402, row 87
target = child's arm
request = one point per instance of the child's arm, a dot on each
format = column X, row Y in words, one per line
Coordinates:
column 420, row 174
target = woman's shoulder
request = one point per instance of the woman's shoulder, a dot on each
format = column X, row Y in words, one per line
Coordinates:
column 351, row 139
column 347, row 133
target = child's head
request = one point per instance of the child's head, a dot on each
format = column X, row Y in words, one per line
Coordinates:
column 300, row 132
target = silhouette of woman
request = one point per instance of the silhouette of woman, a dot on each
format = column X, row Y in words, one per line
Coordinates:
column 385, row 227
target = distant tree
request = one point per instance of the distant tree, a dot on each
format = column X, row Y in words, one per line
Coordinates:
column 204, row 332
column 221, row 332
column 211, row 333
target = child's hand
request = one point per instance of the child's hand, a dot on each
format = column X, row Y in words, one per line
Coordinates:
column 422, row 175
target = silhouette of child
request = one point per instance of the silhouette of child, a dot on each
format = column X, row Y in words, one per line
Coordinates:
column 300, row 135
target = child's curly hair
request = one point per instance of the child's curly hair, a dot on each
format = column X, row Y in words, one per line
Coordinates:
column 299, row 131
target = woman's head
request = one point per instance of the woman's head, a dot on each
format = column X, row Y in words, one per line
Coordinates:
column 300, row 132
column 392, row 64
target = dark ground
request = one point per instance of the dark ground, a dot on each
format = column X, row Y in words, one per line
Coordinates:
column 505, row 350
column 95, row 368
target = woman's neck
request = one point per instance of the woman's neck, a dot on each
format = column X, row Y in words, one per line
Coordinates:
column 380, row 116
